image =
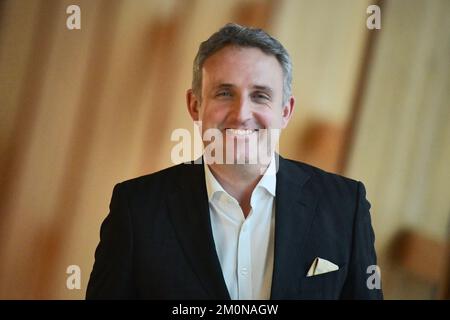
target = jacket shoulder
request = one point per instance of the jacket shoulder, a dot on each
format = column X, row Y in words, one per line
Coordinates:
column 155, row 184
column 152, row 177
column 321, row 175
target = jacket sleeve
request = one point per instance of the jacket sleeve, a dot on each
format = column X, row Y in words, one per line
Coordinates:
column 363, row 279
column 111, row 276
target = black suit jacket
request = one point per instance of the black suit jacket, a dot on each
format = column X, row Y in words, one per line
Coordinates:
column 157, row 242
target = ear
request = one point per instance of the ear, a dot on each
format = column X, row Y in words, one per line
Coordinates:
column 193, row 105
column 288, row 110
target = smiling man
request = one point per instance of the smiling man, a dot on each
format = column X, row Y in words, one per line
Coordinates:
column 240, row 225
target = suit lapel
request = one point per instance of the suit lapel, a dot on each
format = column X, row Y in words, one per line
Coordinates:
column 295, row 205
column 189, row 212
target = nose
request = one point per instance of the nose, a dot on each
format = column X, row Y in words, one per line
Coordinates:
column 241, row 111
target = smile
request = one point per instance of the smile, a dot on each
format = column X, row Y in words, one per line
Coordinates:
column 241, row 132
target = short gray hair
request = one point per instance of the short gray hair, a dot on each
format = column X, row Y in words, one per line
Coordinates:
column 234, row 34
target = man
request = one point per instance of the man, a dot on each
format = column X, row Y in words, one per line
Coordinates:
column 230, row 227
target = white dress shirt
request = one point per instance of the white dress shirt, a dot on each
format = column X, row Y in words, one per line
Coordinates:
column 245, row 246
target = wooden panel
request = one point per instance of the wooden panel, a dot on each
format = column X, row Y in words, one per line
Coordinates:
column 424, row 258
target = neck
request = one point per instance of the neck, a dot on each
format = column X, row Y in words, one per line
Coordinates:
column 239, row 181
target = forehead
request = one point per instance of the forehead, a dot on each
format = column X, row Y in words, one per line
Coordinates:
column 242, row 66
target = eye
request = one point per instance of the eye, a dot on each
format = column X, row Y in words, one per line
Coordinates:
column 261, row 97
column 223, row 94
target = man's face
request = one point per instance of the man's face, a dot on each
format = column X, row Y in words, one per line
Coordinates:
column 242, row 93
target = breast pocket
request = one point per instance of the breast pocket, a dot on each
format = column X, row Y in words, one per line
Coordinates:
column 323, row 286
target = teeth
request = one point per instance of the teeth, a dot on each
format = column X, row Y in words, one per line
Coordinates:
column 240, row 131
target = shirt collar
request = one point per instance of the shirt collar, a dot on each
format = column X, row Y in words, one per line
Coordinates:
column 212, row 185
column 268, row 181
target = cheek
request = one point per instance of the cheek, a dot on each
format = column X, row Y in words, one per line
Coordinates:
column 269, row 119
column 213, row 114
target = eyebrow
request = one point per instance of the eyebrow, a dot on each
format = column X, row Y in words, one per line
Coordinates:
column 263, row 88
column 258, row 87
column 223, row 85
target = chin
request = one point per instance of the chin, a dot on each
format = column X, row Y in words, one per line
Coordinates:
column 243, row 157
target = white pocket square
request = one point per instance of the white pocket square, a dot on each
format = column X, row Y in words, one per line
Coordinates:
column 320, row 266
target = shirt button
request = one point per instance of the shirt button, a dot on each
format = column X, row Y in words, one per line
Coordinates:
column 244, row 271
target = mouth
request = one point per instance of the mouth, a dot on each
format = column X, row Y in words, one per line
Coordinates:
column 240, row 132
